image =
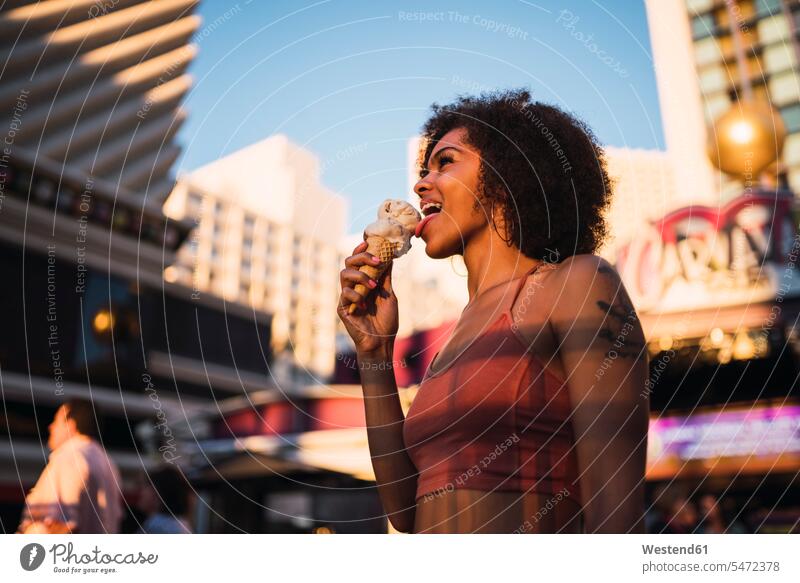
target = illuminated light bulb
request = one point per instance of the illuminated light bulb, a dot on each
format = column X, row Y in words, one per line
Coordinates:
column 743, row 347
column 742, row 132
column 103, row 321
column 746, row 139
column 717, row 336
column 171, row 274
column 665, row 343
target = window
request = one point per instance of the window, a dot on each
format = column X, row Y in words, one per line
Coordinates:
column 707, row 51
column 195, row 204
column 791, row 117
column 791, row 151
column 717, row 105
column 695, row 6
column 778, row 57
column 768, row 7
column 794, row 180
column 249, row 223
column 773, row 29
column 784, row 89
column 703, row 26
column 713, row 79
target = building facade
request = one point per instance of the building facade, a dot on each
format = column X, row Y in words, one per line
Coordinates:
column 96, row 87
column 644, row 189
column 91, row 95
column 267, row 236
column 699, row 79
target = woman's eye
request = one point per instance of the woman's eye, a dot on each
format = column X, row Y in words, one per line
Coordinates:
column 444, row 160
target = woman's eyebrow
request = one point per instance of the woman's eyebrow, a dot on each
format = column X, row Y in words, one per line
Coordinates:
column 439, row 153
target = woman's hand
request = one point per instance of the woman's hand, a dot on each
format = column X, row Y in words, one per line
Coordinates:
column 373, row 326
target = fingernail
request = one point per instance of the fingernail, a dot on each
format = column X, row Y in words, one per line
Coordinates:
column 372, row 283
column 376, row 260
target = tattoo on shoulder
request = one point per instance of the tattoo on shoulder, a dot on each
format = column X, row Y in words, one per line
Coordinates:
column 621, row 319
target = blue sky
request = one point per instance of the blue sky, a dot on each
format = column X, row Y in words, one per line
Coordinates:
column 352, row 81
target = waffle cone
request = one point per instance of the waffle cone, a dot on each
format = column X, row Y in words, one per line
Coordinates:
column 384, row 250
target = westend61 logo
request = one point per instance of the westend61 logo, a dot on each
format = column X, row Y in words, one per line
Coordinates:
column 31, row 556
column 65, row 560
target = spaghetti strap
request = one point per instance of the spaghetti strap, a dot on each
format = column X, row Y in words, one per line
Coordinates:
column 522, row 281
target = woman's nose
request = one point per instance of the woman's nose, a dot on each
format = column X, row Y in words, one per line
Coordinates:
column 422, row 186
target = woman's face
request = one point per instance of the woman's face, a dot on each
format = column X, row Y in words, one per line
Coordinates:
column 451, row 179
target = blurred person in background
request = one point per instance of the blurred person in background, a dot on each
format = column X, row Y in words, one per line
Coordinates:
column 682, row 516
column 79, row 489
column 715, row 520
column 165, row 501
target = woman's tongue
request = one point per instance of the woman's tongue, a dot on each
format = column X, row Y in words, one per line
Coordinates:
column 421, row 224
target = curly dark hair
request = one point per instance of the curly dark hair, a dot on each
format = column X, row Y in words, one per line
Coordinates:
column 542, row 165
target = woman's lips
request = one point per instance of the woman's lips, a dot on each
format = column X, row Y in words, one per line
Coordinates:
column 422, row 223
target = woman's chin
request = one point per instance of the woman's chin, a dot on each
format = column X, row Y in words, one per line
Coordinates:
column 436, row 248
column 434, row 255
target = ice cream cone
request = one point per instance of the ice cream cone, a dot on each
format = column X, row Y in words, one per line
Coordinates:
column 384, row 250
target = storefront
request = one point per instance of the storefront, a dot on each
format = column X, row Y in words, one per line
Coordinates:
column 718, row 294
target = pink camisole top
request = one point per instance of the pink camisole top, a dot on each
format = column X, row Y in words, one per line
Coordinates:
column 495, row 419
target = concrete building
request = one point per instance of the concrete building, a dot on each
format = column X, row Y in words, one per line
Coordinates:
column 644, row 189
column 90, row 99
column 267, row 236
column 96, row 86
column 698, row 79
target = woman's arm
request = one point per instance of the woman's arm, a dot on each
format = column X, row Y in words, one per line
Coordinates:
column 373, row 329
column 394, row 472
column 603, row 350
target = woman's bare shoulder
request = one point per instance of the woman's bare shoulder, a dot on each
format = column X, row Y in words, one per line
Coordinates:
column 581, row 264
column 584, row 270
column 576, row 275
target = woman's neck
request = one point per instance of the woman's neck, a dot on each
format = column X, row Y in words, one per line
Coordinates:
column 490, row 262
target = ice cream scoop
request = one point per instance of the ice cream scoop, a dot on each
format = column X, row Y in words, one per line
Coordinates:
column 388, row 238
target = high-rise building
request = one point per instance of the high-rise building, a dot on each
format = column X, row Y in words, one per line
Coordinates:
column 91, row 98
column 267, row 236
column 96, row 87
column 644, row 189
column 699, row 79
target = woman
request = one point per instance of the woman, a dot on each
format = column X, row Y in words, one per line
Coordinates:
column 533, row 417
